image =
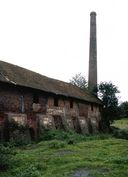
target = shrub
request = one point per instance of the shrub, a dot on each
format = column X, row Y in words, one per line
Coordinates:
column 55, row 144
column 70, row 136
column 6, row 153
column 118, row 133
column 29, row 171
column 18, row 138
column 121, row 160
column 19, row 134
column 66, row 135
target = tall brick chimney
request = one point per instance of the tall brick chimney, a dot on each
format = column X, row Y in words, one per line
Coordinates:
column 92, row 77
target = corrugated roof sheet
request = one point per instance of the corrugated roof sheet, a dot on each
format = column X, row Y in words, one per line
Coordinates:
column 16, row 75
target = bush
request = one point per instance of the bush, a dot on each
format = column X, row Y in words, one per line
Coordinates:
column 70, row 136
column 18, row 138
column 61, row 135
column 19, row 134
column 121, row 160
column 118, row 133
column 55, row 144
column 6, row 153
column 29, row 171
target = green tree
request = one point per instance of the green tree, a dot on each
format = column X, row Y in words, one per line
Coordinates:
column 79, row 81
column 123, row 108
column 108, row 94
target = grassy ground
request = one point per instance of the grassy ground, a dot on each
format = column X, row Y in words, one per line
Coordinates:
column 93, row 156
column 121, row 124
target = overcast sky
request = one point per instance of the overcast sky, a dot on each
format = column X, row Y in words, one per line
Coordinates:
column 51, row 37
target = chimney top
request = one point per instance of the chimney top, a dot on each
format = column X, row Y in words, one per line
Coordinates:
column 93, row 13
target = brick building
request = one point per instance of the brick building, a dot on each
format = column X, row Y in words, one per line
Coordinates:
column 35, row 100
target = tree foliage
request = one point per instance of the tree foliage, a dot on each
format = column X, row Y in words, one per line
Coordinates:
column 123, row 108
column 108, row 94
column 79, row 81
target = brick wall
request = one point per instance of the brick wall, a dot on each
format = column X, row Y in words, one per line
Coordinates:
column 48, row 109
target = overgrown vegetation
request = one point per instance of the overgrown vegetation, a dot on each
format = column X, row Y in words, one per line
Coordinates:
column 67, row 154
column 17, row 134
column 6, row 154
column 69, row 136
column 123, row 109
column 29, row 171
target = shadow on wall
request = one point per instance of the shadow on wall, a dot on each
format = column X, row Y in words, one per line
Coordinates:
column 76, row 125
column 32, row 134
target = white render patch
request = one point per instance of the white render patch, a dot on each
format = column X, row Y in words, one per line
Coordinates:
column 21, row 119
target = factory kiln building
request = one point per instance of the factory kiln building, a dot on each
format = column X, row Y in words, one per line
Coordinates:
column 32, row 99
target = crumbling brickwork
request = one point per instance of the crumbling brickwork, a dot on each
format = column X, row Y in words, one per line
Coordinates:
column 47, row 110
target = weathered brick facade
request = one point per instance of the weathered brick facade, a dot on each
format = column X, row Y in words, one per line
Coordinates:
column 36, row 108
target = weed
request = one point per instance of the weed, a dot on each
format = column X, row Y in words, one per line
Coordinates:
column 29, row 171
column 55, row 144
column 6, row 153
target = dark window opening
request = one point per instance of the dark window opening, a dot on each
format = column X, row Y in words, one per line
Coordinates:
column 91, row 107
column 55, row 101
column 35, row 98
column 71, row 103
column 58, row 122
